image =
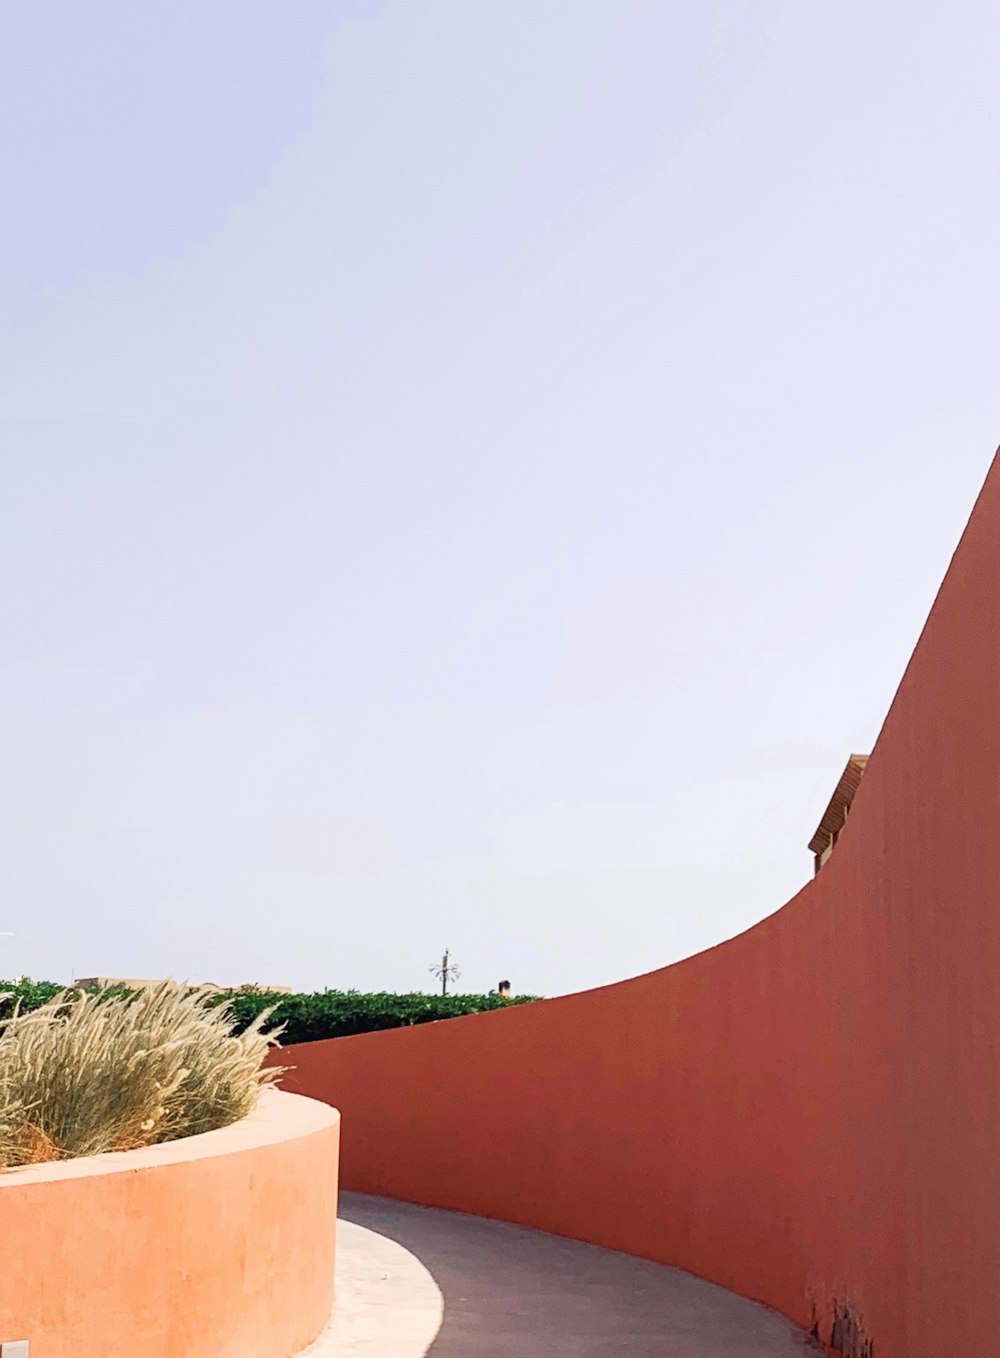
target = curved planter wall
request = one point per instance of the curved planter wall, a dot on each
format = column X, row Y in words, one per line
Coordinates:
column 809, row 1113
column 215, row 1246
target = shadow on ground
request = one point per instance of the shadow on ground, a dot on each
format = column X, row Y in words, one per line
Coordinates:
column 510, row 1292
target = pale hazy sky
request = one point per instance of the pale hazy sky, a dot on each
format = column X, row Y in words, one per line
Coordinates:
column 472, row 472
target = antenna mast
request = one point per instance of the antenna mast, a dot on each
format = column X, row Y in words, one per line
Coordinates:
column 446, row 971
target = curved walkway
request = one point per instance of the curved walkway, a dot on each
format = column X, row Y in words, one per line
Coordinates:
column 415, row 1281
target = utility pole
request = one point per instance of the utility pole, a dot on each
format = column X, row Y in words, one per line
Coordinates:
column 447, row 971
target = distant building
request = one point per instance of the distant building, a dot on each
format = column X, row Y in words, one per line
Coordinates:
column 835, row 816
column 135, row 983
column 140, row 983
column 105, row 982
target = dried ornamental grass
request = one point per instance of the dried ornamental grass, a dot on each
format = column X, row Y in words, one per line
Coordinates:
column 90, row 1073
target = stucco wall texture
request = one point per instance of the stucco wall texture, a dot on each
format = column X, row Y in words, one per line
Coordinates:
column 215, row 1246
column 809, row 1113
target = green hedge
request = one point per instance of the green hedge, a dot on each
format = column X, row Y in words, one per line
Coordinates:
column 307, row 1018
column 341, row 1013
column 31, row 995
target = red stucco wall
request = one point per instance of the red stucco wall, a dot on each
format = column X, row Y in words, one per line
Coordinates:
column 809, row 1113
column 216, row 1246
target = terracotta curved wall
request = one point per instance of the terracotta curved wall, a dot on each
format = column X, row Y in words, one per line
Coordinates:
column 809, row 1113
column 217, row 1246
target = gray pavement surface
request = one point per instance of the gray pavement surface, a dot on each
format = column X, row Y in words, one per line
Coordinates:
column 416, row 1281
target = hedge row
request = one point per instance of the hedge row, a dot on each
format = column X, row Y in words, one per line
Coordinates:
column 307, row 1018
column 30, row 995
column 341, row 1013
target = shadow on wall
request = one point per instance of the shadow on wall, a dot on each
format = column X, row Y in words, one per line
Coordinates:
column 808, row 1114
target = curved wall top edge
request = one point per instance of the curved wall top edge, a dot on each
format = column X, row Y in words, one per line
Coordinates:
column 279, row 1116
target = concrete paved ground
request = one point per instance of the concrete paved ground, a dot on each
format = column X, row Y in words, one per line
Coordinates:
column 415, row 1281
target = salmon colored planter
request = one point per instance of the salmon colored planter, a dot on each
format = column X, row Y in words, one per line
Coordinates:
column 214, row 1246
